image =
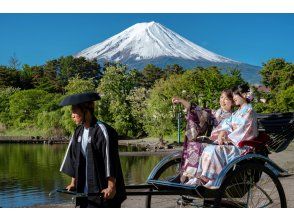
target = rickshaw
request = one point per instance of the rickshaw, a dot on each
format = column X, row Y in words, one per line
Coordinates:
column 249, row 181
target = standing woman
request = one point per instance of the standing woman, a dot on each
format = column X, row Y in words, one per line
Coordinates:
column 92, row 159
column 242, row 125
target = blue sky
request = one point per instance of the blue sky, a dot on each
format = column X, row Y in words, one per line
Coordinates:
column 249, row 38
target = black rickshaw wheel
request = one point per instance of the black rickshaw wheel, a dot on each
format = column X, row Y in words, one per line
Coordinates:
column 251, row 185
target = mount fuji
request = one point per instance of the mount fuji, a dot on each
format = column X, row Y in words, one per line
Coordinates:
column 151, row 42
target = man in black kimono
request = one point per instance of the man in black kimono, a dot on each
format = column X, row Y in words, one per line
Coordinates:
column 92, row 158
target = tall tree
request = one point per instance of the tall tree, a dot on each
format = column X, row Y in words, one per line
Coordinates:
column 114, row 107
column 149, row 75
column 14, row 62
column 173, row 69
column 10, row 77
column 278, row 76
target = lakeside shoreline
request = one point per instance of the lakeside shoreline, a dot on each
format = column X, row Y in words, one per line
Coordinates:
column 145, row 144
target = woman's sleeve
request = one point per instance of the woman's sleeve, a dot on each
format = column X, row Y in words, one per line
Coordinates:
column 215, row 117
column 197, row 119
column 245, row 128
column 224, row 125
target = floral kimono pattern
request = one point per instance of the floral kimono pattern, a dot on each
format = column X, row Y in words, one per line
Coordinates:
column 199, row 120
column 242, row 125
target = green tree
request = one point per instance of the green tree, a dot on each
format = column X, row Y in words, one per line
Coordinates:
column 25, row 105
column 137, row 99
column 114, row 107
column 78, row 85
column 173, row 69
column 278, row 76
column 5, row 94
column 71, row 67
column 31, row 75
column 57, row 73
column 149, row 75
column 199, row 85
column 48, row 80
column 158, row 112
column 10, row 77
column 14, row 62
column 285, row 100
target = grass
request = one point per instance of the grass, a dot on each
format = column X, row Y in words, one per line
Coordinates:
column 170, row 138
column 23, row 132
column 43, row 133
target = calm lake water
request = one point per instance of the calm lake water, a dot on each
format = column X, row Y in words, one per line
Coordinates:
column 29, row 172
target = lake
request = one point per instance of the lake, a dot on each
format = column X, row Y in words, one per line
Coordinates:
column 29, row 172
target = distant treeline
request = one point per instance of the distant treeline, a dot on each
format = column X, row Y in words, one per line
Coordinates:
column 136, row 103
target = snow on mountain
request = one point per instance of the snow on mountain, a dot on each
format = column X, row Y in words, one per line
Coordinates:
column 148, row 41
column 151, row 42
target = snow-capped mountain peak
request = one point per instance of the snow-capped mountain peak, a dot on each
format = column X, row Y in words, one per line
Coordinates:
column 149, row 40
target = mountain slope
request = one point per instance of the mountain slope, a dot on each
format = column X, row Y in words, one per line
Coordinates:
column 151, row 42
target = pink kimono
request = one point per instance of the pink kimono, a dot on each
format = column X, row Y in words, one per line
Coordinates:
column 199, row 121
column 242, row 125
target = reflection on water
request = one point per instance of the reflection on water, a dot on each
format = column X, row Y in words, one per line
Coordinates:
column 29, row 172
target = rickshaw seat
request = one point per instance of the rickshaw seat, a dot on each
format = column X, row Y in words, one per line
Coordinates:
column 258, row 143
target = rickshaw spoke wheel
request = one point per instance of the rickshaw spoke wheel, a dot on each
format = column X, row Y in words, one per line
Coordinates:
column 251, row 185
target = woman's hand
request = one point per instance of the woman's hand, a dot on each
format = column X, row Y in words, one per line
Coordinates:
column 176, row 100
column 221, row 139
column 185, row 103
column 109, row 192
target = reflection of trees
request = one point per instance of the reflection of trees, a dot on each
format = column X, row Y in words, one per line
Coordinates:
column 31, row 166
column 137, row 169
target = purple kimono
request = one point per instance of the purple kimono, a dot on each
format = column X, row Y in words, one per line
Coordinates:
column 199, row 120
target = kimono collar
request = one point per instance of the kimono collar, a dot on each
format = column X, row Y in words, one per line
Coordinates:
column 224, row 111
column 245, row 107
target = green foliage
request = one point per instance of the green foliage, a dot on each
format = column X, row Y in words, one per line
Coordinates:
column 5, row 94
column 172, row 69
column 134, row 102
column 137, row 99
column 158, row 112
column 25, row 105
column 78, row 85
column 149, row 75
column 51, row 123
column 33, row 166
column 9, row 77
column 114, row 107
column 200, row 85
column 71, row 67
column 285, row 100
column 278, row 76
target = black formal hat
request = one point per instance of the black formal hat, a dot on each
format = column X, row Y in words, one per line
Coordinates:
column 79, row 98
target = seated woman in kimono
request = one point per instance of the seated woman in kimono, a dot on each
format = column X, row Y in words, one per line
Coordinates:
column 242, row 125
column 199, row 121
